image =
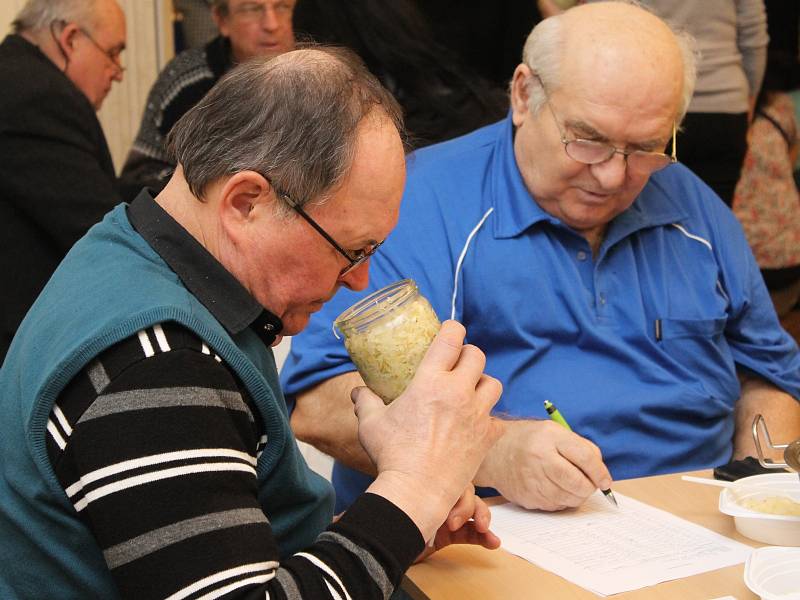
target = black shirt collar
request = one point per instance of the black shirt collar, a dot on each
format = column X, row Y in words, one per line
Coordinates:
column 201, row 273
column 219, row 56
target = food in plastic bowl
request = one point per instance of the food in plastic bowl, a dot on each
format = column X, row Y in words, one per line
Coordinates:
column 757, row 505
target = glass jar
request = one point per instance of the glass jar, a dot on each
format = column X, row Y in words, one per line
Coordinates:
column 387, row 334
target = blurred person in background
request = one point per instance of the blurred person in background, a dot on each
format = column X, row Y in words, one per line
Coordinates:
column 56, row 174
column 441, row 98
column 767, row 202
column 732, row 40
column 783, row 24
column 247, row 28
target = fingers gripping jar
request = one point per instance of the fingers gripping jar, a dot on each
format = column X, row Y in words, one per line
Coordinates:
column 387, row 334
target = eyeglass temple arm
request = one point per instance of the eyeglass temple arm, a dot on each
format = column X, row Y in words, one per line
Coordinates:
column 298, row 209
column 674, row 156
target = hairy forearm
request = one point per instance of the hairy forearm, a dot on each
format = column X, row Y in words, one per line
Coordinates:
column 781, row 413
column 324, row 417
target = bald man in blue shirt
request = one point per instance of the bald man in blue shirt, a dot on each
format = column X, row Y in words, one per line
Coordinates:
column 591, row 270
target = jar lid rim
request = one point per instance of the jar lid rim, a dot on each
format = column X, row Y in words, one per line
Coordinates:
column 388, row 297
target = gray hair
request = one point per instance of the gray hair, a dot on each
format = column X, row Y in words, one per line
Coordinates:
column 292, row 118
column 38, row 15
column 542, row 54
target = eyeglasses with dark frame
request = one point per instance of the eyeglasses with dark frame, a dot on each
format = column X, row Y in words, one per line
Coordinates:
column 592, row 152
column 355, row 258
column 113, row 55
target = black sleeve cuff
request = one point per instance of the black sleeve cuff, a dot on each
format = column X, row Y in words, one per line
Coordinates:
column 390, row 535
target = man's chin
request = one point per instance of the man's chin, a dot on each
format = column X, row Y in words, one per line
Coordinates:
column 295, row 323
column 296, row 320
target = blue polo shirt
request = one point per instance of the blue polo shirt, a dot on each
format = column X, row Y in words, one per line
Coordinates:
column 638, row 347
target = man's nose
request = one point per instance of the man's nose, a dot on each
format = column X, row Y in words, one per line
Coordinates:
column 358, row 278
column 269, row 20
column 611, row 173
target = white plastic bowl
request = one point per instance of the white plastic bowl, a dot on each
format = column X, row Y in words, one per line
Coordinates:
column 774, row 573
column 779, row 530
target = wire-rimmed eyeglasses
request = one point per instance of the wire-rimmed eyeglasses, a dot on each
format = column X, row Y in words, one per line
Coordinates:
column 593, row 152
column 112, row 55
column 355, row 258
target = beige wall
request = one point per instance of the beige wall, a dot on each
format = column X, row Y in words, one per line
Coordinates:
column 8, row 9
column 149, row 47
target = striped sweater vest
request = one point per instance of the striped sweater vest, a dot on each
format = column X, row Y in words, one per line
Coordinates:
column 111, row 285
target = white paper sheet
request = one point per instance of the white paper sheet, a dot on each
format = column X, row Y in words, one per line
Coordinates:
column 610, row 550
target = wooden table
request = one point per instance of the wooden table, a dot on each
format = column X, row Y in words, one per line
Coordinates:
column 464, row 572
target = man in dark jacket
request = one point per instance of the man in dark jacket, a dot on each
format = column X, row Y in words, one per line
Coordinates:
column 56, row 174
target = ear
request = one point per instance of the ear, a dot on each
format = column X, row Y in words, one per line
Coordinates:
column 522, row 78
column 66, row 38
column 245, row 197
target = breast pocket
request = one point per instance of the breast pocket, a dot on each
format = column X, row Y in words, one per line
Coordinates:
column 673, row 329
column 697, row 350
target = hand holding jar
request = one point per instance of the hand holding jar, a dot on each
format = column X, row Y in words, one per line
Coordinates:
column 428, row 443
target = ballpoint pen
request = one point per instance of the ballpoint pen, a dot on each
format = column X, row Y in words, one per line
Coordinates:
column 558, row 418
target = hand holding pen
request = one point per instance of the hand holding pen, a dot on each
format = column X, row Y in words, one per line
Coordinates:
column 558, row 418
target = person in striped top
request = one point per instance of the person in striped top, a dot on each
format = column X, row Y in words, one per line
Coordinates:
column 161, row 462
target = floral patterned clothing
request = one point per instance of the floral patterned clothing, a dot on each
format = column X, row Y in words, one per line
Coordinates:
column 766, row 201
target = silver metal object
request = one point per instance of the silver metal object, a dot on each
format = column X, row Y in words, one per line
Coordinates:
column 791, row 451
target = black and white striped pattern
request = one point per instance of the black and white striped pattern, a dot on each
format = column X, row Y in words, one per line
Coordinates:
column 120, row 477
column 156, row 443
column 186, row 78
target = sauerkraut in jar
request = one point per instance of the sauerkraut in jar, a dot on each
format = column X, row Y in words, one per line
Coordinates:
column 387, row 334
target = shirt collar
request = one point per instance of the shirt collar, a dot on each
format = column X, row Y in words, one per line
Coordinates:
column 213, row 285
column 516, row 209
column 219, row 56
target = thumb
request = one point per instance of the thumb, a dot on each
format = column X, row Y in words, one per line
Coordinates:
column 365, row 402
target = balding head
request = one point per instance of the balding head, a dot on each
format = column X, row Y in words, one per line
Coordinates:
column 83, row 38
column 292, row 118
column 615, row 49
column 38, row 15
column 616, row 81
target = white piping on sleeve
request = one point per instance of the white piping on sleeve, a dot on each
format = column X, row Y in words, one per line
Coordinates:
column 461, row 260
column 710, row 247
column 691, row 236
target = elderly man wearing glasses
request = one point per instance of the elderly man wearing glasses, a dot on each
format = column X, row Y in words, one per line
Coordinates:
column 593, row 270
column 247, row 28
column 145, row 447
column 56, row 174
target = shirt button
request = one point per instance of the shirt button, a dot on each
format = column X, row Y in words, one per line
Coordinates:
column 581, row 255
column 602, row 299
column 269, row 327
